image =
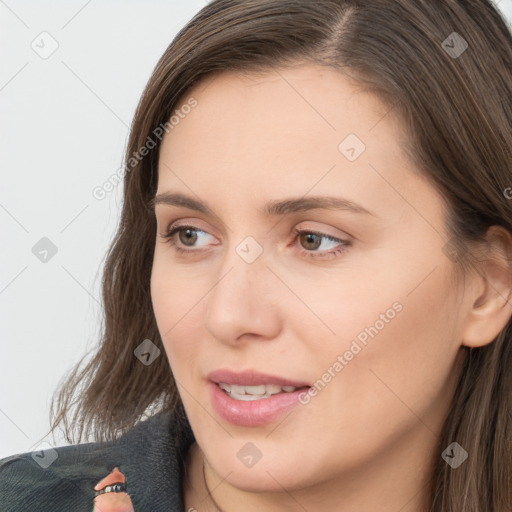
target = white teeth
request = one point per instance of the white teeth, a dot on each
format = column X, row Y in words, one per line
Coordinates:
column 247, row 398
column 247, row 393
column 273, row 389
column 255, row 390
column 239, row 390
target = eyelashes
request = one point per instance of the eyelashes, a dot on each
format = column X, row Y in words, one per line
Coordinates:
column 308, row 235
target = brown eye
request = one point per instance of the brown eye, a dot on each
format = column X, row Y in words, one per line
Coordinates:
column 187, row 236
column 183, row 239
column 310, row 241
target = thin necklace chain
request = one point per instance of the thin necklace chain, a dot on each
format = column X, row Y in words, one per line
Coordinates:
column 209, row 493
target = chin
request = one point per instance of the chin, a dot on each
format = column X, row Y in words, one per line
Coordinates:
column 268, row 475
column 260, row 481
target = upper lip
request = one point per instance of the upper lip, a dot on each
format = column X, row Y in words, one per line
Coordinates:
column 251, row 378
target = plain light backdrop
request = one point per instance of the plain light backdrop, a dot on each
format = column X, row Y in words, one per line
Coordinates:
column 71, row 74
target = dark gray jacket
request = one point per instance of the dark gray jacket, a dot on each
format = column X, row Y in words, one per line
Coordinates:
column 150, row 456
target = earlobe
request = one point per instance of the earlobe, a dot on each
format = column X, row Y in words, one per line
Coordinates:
column 492, row 304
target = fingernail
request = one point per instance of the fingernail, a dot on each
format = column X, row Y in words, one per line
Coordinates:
column 114, row 477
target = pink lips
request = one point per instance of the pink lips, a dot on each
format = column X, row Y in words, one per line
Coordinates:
column 252, row 378
column 255, row 412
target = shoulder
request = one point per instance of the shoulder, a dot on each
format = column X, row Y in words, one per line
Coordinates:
column 63, row 478
column 52, row 479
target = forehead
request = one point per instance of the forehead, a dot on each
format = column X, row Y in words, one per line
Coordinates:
column 290, row 131
column 278, row 118
column 300, row 100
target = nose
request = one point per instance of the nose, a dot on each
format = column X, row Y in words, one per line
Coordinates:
column 243, row 304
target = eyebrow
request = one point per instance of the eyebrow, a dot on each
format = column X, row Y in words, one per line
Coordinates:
column 271, row 208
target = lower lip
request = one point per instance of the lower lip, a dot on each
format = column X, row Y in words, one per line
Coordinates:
column 254, row 412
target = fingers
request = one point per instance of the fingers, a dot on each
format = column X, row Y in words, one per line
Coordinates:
column 112, row 501
column 113, row 478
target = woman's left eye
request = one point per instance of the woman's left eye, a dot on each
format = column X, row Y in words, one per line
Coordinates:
column 337, row 246
column 189, row 235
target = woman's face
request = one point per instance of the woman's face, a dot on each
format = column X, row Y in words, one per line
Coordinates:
column 361, row 309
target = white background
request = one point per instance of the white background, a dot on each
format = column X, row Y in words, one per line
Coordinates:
column 63, row 129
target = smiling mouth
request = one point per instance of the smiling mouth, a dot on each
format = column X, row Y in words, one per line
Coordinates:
column 258, row 392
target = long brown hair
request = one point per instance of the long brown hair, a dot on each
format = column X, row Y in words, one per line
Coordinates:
column 456, row 106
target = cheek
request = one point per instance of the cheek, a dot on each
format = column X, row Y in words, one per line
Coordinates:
column 399, row 354
column 399, row 306
column 399, row 378
column 177, row 301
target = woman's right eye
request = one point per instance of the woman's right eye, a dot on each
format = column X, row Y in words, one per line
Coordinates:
column 186, row 235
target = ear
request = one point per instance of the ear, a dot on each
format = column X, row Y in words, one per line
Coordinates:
column 492, row 295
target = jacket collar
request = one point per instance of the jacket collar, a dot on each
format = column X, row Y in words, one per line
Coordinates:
column 150, row 455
